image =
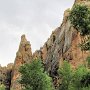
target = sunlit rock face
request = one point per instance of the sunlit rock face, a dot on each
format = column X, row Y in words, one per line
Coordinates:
column 23, row 55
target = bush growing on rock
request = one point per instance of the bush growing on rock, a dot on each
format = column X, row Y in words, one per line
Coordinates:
column 80, row 19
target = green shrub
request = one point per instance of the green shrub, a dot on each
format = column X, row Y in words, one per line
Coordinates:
column 80, row 19
column 86, row 88
column 79, row 73
column 33, row 76
column 78, row 79
column 85, row 82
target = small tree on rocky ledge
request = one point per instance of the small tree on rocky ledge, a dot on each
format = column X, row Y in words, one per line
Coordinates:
column 80, row 19
column 33, row 76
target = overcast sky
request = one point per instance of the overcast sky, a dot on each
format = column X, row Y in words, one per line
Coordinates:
column 35, row 18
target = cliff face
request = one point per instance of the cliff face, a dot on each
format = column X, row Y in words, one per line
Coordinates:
column 56, row 48
column 63, row 44
column 24, row 55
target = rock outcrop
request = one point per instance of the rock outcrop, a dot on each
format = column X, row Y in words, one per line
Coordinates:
column 5, row 75
column 24, row 55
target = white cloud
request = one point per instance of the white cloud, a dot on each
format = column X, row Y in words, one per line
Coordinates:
column 35, row 18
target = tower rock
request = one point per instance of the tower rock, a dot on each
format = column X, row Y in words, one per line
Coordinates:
column 23, row 55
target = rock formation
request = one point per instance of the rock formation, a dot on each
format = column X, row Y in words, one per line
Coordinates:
column 5, row 75
column 62, row 45
column 24, row 55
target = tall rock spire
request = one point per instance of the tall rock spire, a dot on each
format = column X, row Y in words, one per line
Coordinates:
column 23, row 55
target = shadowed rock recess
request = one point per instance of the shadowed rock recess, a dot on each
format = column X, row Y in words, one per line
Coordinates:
column 62, row 45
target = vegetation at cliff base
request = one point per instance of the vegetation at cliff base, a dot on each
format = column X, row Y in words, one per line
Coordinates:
column 65, row 73
column 78, row 79
column 33, row 76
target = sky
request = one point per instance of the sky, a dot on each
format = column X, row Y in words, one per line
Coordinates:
column 34, row 18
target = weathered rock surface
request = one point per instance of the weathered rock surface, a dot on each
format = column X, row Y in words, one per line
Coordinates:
column 24, row 55
column 5, row 75
column 63, row 44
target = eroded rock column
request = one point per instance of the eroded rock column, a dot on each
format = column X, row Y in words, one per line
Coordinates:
column 23, row 55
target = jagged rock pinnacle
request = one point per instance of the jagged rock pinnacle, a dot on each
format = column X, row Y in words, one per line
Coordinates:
column 23, row 38
column 23, row 55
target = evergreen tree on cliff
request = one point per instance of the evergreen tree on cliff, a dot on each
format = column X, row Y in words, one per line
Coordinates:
column 80, row 19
